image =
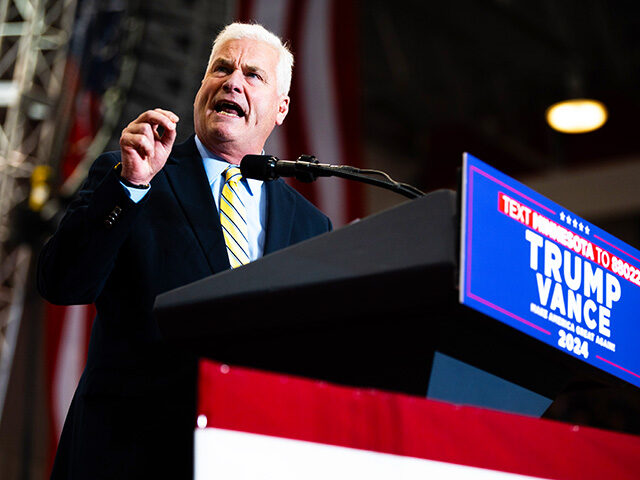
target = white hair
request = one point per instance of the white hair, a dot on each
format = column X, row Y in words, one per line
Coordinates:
column 237, row 31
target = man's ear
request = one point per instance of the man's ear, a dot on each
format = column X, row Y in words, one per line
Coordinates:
column 283, row 109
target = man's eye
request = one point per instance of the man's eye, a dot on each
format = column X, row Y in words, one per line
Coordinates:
column 254, row 75
column 221, row 68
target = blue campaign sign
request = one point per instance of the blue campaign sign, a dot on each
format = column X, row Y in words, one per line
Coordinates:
column 541, row 269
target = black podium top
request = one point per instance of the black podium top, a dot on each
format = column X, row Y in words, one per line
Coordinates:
column 369, row 305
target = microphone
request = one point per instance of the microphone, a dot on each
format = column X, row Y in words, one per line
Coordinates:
column 306, row 169
column 268, row 167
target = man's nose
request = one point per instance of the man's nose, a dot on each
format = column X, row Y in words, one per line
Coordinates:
column 233, row 83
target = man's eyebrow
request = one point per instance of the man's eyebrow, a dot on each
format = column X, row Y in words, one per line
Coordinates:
column 225, row 62
column 254, row 69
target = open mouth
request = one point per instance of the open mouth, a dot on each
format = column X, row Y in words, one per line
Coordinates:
column 229, row 108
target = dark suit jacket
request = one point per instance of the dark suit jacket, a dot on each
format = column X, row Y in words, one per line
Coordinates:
column 132, row 414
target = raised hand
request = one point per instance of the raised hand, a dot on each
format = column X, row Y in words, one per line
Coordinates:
column 144, row 150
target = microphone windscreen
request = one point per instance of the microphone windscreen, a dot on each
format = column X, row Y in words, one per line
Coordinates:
column 260, row 167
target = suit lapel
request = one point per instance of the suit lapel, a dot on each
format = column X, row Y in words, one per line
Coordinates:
column 186, row 175
column 281, row 209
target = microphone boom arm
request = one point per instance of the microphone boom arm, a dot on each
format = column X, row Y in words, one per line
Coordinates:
column 308, row 171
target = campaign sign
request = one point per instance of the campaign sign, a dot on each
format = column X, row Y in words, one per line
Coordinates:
column 541, row 269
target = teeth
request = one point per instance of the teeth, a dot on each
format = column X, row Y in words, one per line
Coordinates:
column 222, row 112
column 229, row 108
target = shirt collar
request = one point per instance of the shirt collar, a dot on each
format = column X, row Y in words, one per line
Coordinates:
column 214, row 166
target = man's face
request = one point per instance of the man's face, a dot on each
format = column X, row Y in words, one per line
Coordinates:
column 238, row 103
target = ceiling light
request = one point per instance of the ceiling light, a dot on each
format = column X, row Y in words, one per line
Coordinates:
column 579, row 115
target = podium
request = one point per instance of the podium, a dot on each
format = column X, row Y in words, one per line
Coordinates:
column 375, row 304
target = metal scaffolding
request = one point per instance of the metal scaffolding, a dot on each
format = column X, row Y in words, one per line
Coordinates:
column 34, row 35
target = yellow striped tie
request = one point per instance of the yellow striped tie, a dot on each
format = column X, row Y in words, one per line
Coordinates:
column 233, row 219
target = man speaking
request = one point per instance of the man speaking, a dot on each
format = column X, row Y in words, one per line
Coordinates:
column 151, row 218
